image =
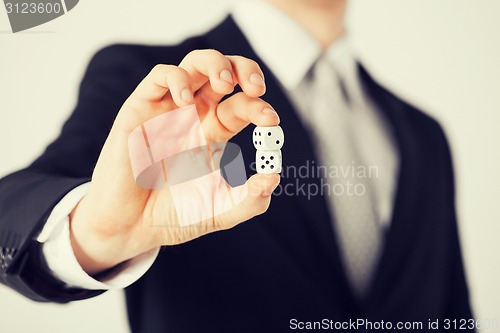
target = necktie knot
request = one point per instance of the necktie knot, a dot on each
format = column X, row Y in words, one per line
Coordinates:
column 325, row 76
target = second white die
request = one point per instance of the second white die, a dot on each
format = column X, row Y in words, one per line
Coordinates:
column 268, row 161
column 268, row 138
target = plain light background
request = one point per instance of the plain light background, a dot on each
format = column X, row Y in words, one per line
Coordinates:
column 442, row 55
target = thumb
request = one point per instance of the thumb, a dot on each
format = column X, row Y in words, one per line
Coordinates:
column 251, row 199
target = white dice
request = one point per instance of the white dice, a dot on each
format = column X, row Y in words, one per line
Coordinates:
column 268, row 138
column 268, row 161
column 268, row 141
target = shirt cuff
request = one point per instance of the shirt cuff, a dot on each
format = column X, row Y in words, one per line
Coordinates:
column 61, row 260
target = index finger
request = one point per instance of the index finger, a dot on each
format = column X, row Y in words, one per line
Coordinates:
column 249, row 75
column 237, row 112
column 162, row 79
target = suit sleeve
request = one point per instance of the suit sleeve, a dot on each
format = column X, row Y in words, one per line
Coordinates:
column 27, row 197
column 459, row 301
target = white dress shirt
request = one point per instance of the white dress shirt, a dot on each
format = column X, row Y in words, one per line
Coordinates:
column 289, row 52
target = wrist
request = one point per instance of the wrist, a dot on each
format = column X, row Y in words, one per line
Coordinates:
column 94, row 251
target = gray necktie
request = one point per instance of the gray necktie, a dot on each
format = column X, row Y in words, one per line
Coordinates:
column 358, row 232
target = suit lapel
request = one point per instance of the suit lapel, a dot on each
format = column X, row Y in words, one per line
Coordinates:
column 396, row 249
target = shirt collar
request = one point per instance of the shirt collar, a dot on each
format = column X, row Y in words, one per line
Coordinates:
column 287, row 49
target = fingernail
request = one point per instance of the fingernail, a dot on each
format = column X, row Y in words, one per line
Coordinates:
column 269, row 111
column 186, row 95
column 257, row 80
column 226, row 76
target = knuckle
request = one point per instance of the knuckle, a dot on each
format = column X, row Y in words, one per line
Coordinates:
column 219, row 223
column 189, row 58
column 170, row 69
column 158, row 68
column 252, row 63
column 132, row 105
column 203, row 53
column 246, row 61
column 210, row 58
column 191, row 54
column 215, row 55
column 177, row 73
column 215, row 223
column 266, row 105
column 213, row 52
column 262, row 103
column 262, row 207
column 237, row 58
column 218, row 58
column 169, row 73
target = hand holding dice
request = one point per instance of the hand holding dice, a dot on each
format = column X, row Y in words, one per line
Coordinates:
column 268, row 141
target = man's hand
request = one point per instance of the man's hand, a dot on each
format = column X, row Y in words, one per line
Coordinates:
column 117, row 220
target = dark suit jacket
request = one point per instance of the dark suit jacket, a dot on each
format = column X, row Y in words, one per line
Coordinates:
column 282, row 265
